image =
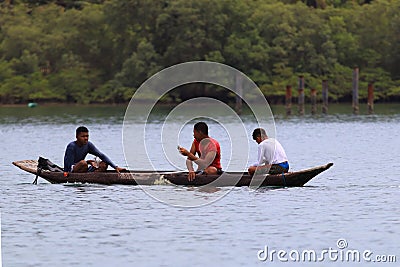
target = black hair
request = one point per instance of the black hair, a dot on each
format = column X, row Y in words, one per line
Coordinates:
column 259, row 132
column 201, row 127
column 81, row 129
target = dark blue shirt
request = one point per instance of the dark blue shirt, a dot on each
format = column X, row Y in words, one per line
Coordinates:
column 75, row 153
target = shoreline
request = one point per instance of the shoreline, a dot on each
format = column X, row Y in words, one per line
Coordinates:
column 56, row 104
column 52, row 104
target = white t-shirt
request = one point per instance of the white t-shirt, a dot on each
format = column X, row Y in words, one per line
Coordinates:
column 270, row 151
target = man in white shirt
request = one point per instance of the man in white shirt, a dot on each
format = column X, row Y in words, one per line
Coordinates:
column 272, row 158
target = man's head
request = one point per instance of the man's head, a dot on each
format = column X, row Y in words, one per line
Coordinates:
column 82, row 135
column 200, row 131
column 259, row 135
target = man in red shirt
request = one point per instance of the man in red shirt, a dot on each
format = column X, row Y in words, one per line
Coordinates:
column 207, row 149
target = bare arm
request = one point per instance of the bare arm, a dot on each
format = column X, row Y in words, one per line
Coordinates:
column 192, row 174
column 193, row 149
column 204, row 163
column 189, row 165
column 188, row 154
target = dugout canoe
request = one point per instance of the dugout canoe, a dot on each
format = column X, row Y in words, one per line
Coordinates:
column 290, row 179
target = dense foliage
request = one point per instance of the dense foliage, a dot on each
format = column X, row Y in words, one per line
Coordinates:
column 101, row 51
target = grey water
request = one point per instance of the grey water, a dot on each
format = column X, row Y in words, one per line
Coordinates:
column 355, row 203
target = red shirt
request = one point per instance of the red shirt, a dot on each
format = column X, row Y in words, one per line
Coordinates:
column 208, row 148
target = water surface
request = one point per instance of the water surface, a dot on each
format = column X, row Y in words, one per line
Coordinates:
column 95, row 225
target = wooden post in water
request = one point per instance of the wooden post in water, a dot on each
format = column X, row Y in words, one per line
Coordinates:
column 239, row 93
column 313, row 101
column 301, row 95
column 324, row 96
column 371, row 98
column 355, row 91
column 288, row 100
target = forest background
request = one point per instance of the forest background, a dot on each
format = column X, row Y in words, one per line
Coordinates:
column 101, row 51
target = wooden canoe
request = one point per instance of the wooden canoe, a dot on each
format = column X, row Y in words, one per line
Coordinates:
column 290, row 179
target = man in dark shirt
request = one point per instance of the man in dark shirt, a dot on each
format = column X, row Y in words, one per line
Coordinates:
column 74, row 159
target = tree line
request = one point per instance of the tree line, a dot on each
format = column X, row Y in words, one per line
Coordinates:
column 101, row 51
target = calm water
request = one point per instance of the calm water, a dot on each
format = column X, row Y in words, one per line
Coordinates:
column 93, row 225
